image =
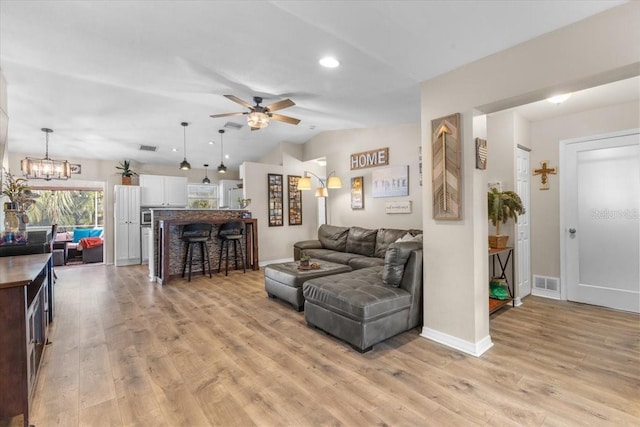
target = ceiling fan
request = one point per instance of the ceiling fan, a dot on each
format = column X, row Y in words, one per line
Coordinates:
column 258, row 116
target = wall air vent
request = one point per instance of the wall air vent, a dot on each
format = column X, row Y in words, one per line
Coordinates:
column 148, row 148
column 544, row 286
column 232, row 125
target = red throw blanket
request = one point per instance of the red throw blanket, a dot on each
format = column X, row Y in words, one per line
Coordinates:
column 90, row 242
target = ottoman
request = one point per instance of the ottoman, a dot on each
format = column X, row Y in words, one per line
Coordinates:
column 284, row 281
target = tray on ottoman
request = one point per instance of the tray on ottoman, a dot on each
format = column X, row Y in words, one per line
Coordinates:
column 284, row 281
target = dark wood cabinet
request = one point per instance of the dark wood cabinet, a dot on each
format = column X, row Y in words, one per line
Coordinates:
column 26, row 308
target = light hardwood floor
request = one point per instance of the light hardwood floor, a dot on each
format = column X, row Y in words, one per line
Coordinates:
column 218, row 352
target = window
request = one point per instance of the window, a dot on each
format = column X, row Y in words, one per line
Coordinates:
column 69, row 208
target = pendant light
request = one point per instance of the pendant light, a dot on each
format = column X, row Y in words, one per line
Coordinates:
column 184, row 165
column 45, row 168
column 222, row 168
column 206, row 179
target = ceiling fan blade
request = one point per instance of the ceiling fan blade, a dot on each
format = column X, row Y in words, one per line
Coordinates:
column 226, row 115
column 285, row 103
column 239, row 101
column 285, row 119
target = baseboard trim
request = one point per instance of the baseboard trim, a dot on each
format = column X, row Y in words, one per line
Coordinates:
column 518, row 302
column 475, row 349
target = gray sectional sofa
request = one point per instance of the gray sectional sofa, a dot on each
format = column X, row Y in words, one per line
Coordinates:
column 380, row 298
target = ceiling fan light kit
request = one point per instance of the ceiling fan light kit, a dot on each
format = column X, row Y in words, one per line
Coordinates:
column 46, row 168
column 222, row 168
column 184, row 165
column 257, row 120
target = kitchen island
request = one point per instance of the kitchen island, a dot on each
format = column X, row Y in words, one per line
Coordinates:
column 168, row 248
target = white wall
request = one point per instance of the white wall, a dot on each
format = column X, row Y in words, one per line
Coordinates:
column 337, row 146
column 545, row 210
column 594, row 51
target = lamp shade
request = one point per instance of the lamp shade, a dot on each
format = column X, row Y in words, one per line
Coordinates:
column 304, row 183
column 334, row 182
column 322, row 192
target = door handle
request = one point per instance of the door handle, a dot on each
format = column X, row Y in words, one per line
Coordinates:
column 572, row 231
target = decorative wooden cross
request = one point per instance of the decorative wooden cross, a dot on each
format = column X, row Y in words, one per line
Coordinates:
column 543, row 172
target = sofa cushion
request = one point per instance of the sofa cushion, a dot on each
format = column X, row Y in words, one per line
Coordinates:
column 332, row 237
column 361, row 241
column 395, row 260
column 358, row 295
column 332, row 256
column 384, row 238
column 79, row 233
column 364, row 262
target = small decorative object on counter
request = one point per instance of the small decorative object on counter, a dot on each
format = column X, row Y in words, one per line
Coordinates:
column 15, row 216
column 243, row 203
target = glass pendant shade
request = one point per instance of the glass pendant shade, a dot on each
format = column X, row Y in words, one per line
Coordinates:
column 206, row 179
column 45, row 168
column 184, row 165
column 258, row 120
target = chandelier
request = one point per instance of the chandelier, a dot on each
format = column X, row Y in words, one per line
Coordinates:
column 45, row 168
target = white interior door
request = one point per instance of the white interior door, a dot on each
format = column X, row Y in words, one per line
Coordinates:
column 524, row 226
column 601, row 233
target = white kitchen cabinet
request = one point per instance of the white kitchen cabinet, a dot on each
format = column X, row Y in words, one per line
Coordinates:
column 127, row 224
column 163, row 191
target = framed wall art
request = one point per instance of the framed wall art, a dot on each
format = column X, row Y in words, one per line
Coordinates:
column 274, row 183
column 390, row 182
column 357, row 192
column 295, row 200
column 446, row 178
column 76, row 168
column 481, row 153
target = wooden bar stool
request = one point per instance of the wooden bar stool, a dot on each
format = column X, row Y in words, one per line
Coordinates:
column 232, row 231
column 196, row 234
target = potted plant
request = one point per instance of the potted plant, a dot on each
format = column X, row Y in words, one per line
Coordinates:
column 502, row 206
column 126, row 173
column 304, row 260
column 16, row 189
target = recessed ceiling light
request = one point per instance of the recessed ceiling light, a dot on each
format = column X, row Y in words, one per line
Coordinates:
column 329, row 62
column 226, row 156
column 559, row 99
column 174, row 149
column 210, row 142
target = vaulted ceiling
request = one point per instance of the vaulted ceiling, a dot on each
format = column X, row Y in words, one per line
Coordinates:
column 108, row 76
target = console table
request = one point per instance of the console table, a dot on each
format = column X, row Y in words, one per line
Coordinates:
column 26, row 308
column 503, row 265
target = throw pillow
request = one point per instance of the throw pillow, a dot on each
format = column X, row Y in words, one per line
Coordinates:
column 394, row 261
column 410, row 238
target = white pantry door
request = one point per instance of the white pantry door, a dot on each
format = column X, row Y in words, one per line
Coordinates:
column 524, row 227
column 601, row 233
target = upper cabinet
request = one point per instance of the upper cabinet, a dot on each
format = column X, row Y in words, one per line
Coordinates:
column 163, row 191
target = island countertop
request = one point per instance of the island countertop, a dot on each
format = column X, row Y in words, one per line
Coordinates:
column 170, row 248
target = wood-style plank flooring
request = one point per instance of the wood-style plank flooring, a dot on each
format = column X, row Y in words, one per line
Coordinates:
column 218, row 352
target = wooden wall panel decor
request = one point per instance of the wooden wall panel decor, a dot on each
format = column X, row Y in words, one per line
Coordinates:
column 295, row 200
column 274, row 182
column 446, row 176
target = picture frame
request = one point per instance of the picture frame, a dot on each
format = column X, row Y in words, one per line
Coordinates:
column 357, row 192
column 76, row 168
column 274, row 195
column 445, row 174
column 295, row 200
column 481, row 154
column 391, row 181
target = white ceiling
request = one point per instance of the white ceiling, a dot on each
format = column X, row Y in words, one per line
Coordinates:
column 108, row 76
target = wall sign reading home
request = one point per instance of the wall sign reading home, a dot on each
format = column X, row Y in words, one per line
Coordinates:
column 369, row 159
